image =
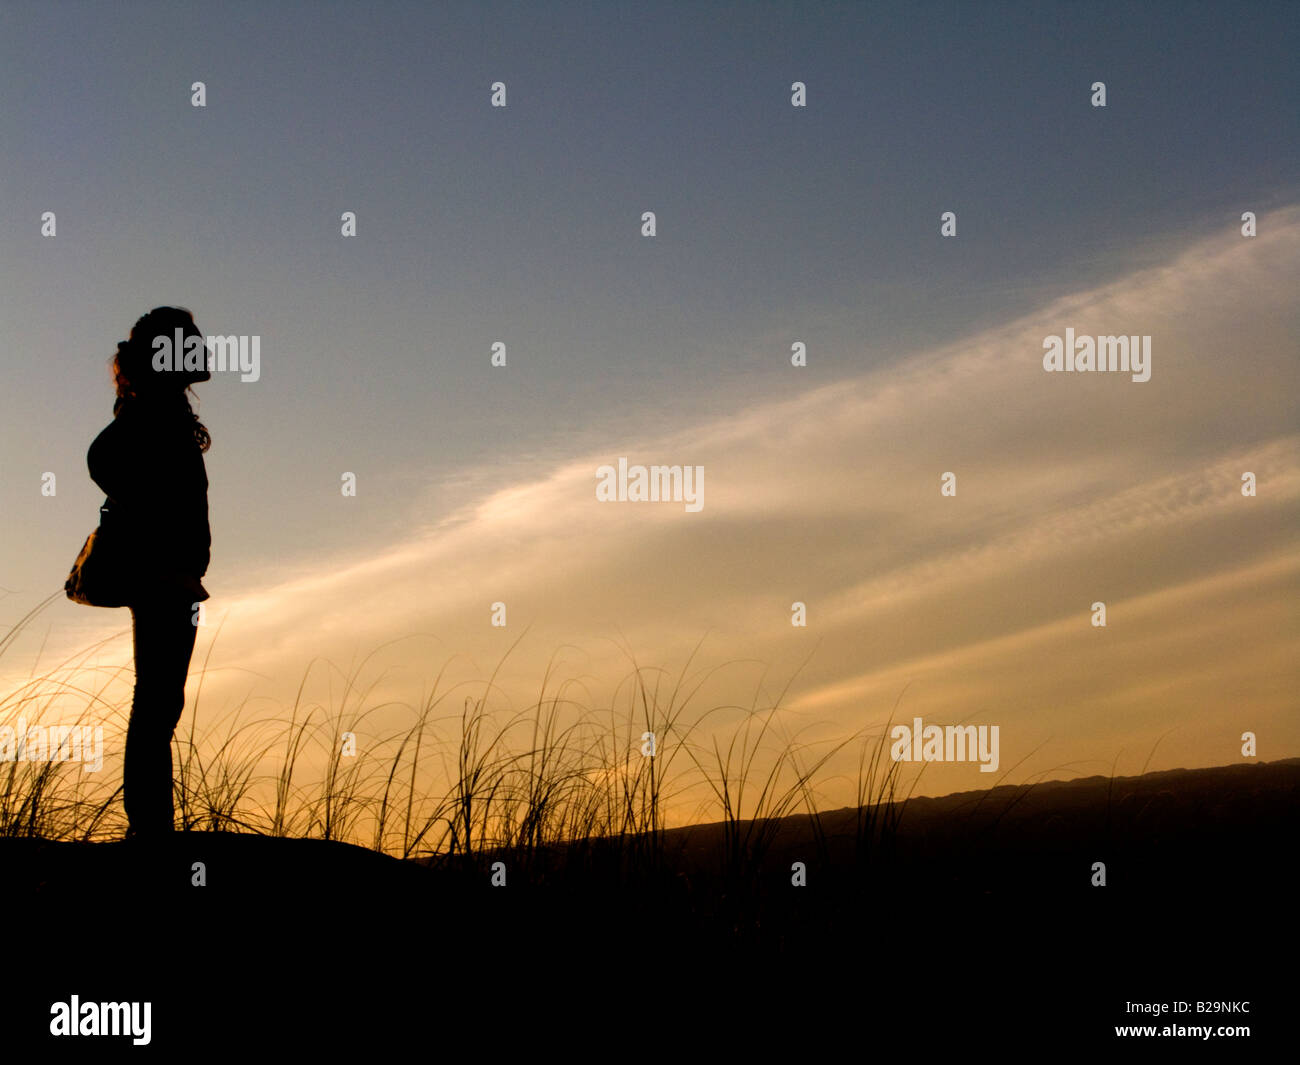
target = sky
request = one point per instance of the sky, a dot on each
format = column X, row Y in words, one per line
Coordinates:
column 775, row 224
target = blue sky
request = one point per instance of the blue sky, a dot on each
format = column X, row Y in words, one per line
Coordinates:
column 775, row 223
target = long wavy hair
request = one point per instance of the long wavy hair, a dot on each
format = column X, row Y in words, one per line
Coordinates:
column 133, row 372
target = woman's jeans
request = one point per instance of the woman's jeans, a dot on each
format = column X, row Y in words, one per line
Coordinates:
column 163, row 632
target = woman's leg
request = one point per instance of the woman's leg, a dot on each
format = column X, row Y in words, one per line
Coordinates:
column 163, row 634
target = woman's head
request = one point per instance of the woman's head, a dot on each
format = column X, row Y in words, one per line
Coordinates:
column 144, row 376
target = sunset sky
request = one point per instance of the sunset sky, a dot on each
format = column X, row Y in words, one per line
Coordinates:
column 775, row 224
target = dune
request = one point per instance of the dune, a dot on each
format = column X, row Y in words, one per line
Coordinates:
column 977, row 922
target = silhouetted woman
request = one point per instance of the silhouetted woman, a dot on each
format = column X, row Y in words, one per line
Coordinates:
column 149, row 462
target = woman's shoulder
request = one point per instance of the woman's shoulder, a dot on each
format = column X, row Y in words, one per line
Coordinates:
column 133, row 419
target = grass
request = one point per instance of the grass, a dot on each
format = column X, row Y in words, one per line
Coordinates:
column 558, row 788
column 580, row 796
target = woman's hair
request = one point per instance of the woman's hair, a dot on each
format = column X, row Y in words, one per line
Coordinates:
column 133, row 372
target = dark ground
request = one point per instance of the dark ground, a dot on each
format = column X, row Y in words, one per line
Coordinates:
column 977, row 932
